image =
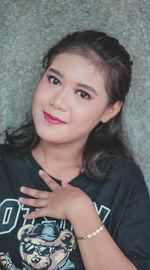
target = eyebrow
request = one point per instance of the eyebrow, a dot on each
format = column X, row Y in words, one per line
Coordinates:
column 88, row 87
column 56, row 72
column 91, row 89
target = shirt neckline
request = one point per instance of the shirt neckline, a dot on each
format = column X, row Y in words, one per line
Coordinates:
column 36, row 166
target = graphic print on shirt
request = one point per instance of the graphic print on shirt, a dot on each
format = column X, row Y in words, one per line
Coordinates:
column 43, row 245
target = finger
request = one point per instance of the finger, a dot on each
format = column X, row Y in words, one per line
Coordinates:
column 34, row 192
column 35, row 214
column 48, row 180
column 33, row 202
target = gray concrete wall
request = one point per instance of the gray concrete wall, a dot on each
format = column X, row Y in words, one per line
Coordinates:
column 29, row 27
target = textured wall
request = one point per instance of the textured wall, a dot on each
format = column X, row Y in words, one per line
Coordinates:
column 29, row 27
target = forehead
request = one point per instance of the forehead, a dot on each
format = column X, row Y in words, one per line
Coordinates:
column 83, row 60
column 85, row 53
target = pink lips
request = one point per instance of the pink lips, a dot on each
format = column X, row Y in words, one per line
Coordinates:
column 52, row 119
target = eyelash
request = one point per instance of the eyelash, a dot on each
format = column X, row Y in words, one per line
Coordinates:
column 83, row 92
column 54, row 80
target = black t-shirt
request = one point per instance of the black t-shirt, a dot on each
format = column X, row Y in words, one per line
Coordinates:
column 122, row 202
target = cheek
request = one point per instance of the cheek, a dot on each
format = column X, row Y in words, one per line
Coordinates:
column 38, row 99
column 38, row 94
column 93, row 112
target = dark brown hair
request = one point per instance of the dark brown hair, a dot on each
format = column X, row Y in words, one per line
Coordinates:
column 106, row 139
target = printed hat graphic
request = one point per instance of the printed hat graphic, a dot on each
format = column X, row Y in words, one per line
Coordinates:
column 46, row 231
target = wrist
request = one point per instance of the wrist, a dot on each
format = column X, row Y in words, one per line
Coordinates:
column 79, row 208
column 85, row 219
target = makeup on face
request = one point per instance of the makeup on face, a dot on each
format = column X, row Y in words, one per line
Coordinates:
column 52, row 119
column 70, row 101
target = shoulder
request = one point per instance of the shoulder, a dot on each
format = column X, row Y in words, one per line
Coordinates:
column 124, row 165
column 3, row 151
column 126, row 174
column 119, row 166
column 6, row 155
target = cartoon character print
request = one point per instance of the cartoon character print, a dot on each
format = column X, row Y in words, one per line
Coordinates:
column 43, row 246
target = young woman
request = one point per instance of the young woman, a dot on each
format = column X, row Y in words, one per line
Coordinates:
column 71, row 195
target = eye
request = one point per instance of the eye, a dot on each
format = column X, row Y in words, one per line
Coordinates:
column 44, row 251
column 83, row 94
column 29, row 248
column 53, row 80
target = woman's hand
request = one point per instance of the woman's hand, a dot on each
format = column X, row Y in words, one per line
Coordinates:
column 62, row 202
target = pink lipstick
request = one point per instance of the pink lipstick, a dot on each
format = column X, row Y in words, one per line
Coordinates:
column 52, row 119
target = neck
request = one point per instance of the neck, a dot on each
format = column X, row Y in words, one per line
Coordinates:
column 58, row 160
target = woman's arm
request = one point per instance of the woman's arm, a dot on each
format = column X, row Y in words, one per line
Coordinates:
column 68, row 202
column 100, row 251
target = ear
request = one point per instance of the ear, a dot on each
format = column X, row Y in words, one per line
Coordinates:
column 24, row 230
column 111, row 111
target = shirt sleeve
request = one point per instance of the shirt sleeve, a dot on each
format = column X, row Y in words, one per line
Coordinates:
column 133, row 234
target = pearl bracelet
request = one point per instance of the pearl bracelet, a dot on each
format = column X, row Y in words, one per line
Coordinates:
column 90, row 235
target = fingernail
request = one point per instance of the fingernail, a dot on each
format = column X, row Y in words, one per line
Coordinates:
column 41, row 172
column 22, row 188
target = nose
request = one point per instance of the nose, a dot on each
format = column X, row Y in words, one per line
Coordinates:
column 60, row 100
column 35, row 260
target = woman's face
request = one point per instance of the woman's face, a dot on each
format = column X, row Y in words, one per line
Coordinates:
column 70, row 100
